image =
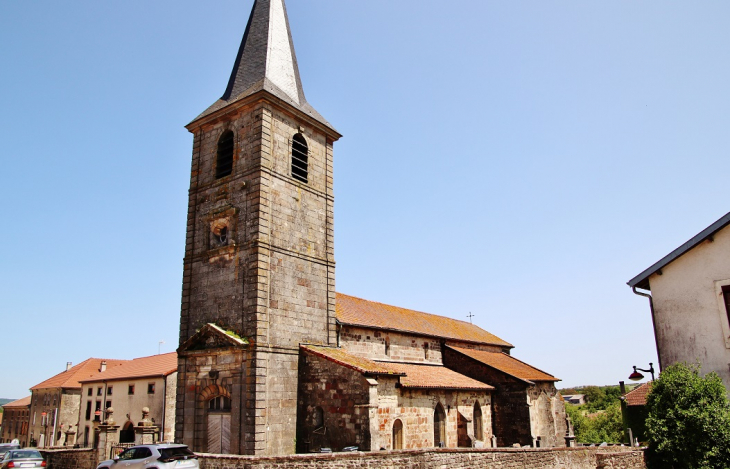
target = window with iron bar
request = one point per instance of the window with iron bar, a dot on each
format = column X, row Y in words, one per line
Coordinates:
column 300, row 158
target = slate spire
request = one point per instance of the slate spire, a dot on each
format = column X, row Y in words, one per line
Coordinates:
column 266, row 61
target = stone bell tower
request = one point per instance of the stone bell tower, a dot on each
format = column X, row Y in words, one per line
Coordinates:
column 259, row 269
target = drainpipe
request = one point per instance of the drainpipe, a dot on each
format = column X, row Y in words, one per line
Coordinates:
column 164, row 406
column 653, row 322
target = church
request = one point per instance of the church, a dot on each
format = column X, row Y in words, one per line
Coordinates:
column 272, row 361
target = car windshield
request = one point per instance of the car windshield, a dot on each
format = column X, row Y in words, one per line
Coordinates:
column 25, row 454
column 181, row 452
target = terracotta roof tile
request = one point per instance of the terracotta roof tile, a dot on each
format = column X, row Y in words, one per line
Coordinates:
column 155, row 365
column 434, row 377
column 24, row 402
column 71, row 378
column 341, row 357
column 507, row 364
column 637, row 396
column 358, row 312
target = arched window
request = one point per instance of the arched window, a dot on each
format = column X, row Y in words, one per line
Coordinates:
column 439, row 426
column 478, row 423
column 398, row 434
column 299, row 158
column 224, row 159
column 219, row 403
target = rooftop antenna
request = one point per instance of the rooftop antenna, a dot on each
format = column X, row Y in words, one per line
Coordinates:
column 470, row 316
column 159, row 346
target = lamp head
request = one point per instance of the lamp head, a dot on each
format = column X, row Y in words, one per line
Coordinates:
column 636, row 376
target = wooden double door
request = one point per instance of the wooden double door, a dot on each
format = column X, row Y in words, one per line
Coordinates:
column 219, row 432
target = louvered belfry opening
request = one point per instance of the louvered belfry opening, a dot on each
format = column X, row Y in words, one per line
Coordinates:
column 224, row 159
column 299, row 158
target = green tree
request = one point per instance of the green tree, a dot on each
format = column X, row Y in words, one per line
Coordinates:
column 604, row 425
column 688, row 423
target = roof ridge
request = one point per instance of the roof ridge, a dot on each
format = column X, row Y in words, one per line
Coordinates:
column 641, row 280
column 409, row 309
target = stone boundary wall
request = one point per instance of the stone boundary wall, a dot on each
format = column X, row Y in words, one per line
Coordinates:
column 498, row 458
column 491, row 458
column 70, row 458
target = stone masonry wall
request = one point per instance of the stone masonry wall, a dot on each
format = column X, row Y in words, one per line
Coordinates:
column 70, row 458
column 547, row 414
column 196, row 387
column 557, row 458
column 272, row 281
column 415, row 409
column 333, row 409
column 402, row 347
column 511, row 410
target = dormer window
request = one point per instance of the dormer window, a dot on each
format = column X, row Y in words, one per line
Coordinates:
column 299, row 158
column 224, row 158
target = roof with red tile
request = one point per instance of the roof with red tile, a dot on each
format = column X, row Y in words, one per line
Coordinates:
column 434, row 377
column 507, row 364
column 155, row 365
column 358, row 312
column 638, row 395
column 24, row 402
column 71, row 378
column 341, row 357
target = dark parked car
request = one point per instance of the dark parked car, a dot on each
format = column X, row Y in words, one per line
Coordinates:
column 22, row 458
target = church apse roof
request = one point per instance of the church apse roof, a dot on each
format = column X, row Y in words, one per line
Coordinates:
column 434, row 377
column 355, row 311
column 414, row 376
column 506, row 364
column 341, row 357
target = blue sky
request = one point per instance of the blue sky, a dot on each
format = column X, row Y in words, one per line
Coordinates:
column 517, row 160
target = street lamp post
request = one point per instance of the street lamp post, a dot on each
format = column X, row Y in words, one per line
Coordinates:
column 636, row 376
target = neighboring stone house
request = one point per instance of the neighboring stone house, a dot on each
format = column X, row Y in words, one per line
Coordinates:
column 689, row 299
column 271, row 359
column 55, row 402
column 143, row 382
column 15, row 421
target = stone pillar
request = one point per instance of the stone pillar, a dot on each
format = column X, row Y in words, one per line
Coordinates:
column 70, row 436
column 145, row 433
column 107, row 436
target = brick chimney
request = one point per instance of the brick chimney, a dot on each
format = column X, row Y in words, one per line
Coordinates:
column 68, row 366
column 102, row 367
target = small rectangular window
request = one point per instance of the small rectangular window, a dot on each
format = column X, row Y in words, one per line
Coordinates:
column 90, row 392
column 108, row 404
column 98, row 391
column 151, row 388
column 88, row 410
column 109, row 390
column 130, row 391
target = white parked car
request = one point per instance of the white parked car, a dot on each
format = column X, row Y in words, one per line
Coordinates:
column 161, row 456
